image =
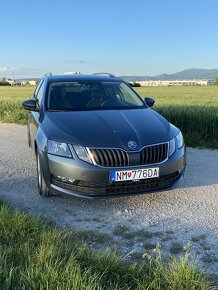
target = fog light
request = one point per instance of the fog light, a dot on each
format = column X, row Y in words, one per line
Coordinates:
column 65, row 179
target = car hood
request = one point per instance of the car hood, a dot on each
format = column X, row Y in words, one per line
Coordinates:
column 108, row 128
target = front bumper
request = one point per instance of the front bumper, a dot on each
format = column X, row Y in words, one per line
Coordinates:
column 86, row 180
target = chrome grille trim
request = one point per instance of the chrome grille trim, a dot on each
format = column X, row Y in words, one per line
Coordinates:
column 154, row 154
column 116, row 157
column 110, row 157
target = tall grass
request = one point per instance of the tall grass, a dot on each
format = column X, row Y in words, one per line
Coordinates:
column 182, row 95
column 36, row 255
column 193, row 109
column 199, row 124
column 10, row 103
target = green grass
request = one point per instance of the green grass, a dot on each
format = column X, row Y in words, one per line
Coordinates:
column 176, row 248
column 198, row 238
column 192, row 109
column 122, row 231
column 126, row 233
column 10, row 103
column 91, row 236
column 34, row 254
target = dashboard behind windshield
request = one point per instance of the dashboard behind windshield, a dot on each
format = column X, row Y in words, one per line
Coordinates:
column 74, row 96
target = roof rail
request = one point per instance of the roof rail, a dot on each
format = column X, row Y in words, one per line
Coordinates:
column 104, row 73
column 48, row 74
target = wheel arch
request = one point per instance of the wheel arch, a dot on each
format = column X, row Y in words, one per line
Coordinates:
column 40, row 147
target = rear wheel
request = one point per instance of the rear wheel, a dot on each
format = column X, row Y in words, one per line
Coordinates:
column 42, row 186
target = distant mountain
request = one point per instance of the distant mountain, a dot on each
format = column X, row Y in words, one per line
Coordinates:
column 185, row 74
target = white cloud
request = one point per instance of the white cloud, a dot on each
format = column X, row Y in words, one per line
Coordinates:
column 3, row 68
column 14, row 68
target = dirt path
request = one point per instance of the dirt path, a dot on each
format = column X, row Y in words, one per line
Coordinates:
column 171, row 218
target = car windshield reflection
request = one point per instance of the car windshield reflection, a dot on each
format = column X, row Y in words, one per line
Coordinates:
column 70, row 96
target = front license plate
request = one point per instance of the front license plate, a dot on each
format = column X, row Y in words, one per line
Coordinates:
column 135, row 174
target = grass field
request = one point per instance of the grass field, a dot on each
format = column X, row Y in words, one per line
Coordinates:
column 193, row 109
column 36, row 255
column 10, row 103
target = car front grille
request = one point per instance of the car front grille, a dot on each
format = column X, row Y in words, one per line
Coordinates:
column 116, row 188
column 110, row 157
column 154, row 154
column 118, row 157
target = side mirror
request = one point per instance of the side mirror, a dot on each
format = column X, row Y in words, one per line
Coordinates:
column 30, row 105
column 149, row 101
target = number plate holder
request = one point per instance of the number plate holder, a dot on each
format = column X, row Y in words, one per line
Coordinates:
column 134, row 174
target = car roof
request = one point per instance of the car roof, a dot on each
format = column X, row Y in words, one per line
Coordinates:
column 81, row 77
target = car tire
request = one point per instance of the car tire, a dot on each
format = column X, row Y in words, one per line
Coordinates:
column 42, row 186
column 28, row 135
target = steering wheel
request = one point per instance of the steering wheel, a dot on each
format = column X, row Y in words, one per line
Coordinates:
column 107, row 101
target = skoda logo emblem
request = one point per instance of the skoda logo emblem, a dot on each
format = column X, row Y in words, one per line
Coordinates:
column 132, row 144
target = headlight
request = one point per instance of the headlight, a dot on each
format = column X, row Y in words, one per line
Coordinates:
column 176, row 143
column 179, row 140
column 83, row 154
column 58, row 148
column 172, row 148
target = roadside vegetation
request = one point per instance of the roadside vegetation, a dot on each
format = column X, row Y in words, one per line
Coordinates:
column 34, row 254
column 10, row 103
column 193, row 109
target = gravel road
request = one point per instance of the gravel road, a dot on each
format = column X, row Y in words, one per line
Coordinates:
column 132, row 225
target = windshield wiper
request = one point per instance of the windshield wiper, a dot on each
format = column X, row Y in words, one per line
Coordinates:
column 58, row 110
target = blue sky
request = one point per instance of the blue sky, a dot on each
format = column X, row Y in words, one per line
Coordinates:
column 122, row 37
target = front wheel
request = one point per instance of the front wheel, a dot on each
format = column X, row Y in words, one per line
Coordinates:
column 42, row 186
column 28, row 134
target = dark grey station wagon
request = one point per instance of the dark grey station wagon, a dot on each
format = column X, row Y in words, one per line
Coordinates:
column 93, row 136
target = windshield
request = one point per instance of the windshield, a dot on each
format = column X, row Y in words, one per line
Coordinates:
column 83, row 96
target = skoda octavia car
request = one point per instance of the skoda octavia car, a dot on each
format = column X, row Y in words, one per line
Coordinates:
column 93, row 136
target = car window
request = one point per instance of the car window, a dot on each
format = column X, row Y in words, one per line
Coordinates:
column 39, row 94
column 37, row 88
column 93, row 95
column 129, row 95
